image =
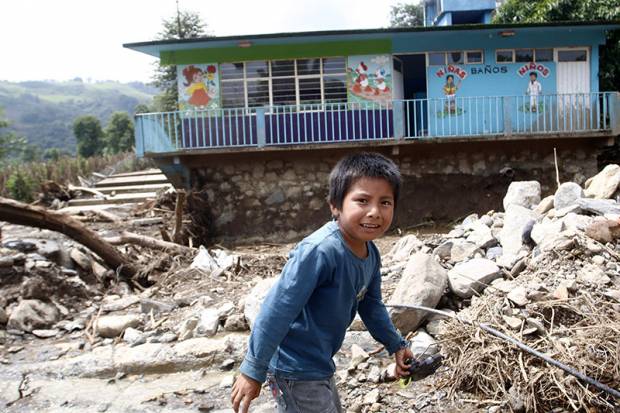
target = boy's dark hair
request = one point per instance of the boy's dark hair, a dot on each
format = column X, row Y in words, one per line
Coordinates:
column 361, row 165
column 534, row 74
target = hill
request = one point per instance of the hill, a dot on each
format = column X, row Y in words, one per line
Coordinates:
column 43, row 111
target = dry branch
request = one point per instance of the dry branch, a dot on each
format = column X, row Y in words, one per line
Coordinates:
column 107, row 216
column 178, row 212
column 149, row 242
column 23, row 214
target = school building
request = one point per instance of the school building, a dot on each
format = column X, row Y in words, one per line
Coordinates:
column 462, row 108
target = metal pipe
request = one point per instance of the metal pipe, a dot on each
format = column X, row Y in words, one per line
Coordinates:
column 519, row 344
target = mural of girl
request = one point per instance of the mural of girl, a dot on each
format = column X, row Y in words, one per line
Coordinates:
column 449, row 90
column 195, row 86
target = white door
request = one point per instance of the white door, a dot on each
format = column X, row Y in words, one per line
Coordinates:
column 573, row 86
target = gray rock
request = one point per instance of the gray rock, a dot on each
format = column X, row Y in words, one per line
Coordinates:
column 517, row 221
column 593, row 274
column 45, row 333
column 469, row 219
column 422, row 283
column 423, row 345
column 546, row 230
column 545, row 205
column 486, row 220
column 523, row 193
column 402, row 250
column 255, row 298
column 82, row 260
column 165, row 338
column 467, row 277
column 605, row 183
column 372, row 397
column 227, row 382
column 134, row 337
column 208, row 322
column 186, row 330
column 494, row 252
column 443, row 250
column 374, row 375
column 518, row 296
column 576, row 221
column 236, row 322
column 3, row 317
column 111, row 326
column 463, row 250
column 514, row 323
column 33, row 314
column 118, row 304
column 481, row 235
column 276, row 197
column 567, row 194
column 599, row 206
column 147, row 305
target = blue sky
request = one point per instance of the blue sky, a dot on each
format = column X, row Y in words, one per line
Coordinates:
column 63, row 39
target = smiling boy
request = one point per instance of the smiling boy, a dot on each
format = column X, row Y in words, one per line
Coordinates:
column 330, row 275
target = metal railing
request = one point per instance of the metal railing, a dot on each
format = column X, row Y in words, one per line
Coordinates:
column 376, row 121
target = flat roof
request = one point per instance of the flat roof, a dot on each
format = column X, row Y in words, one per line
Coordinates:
column 155, row 47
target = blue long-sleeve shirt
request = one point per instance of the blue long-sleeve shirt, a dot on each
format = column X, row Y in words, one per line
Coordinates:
column 304, row 318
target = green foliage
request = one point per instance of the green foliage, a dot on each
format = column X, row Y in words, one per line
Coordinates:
column 184, row 25
column 20, row 187
column 11, row 145
column 89, row 136
column 407, row 15
column 119, row 133
column 539, row 11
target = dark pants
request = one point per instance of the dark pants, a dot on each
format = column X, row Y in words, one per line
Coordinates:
column 311, row 396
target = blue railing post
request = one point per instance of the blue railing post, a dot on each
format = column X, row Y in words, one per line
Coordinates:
column 614, row 112
column 139, row 136
column 398, row 113
column 261, row 133
column 507, row 106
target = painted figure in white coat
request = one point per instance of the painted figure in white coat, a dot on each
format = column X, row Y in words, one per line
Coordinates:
column 534, row 89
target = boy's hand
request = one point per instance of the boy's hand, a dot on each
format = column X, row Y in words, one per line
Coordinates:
column 402, row 369
column 244, row 390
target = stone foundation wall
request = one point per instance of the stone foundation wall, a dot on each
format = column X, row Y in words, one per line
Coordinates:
column 281, row 196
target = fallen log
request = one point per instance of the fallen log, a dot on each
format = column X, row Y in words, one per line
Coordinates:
column 23, row 214
column 107, row 216
column 126, row 237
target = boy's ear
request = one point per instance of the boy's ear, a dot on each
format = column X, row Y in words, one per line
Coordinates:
column 335, row 211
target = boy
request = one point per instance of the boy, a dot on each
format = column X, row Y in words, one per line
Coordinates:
column 330, row 275
column 534, row 89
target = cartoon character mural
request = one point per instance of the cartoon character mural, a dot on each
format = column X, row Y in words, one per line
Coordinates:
column 534, row 87
column 449, row 89
column 369, row 78
column 198, row 87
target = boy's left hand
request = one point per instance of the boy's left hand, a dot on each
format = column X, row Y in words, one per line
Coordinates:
column 402, row 369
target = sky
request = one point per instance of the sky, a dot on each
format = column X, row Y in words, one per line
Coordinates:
column 64, row 39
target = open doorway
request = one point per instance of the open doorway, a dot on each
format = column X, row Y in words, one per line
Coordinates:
column 413, row 69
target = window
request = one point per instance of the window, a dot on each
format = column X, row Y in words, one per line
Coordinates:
column 283, row 82
column 455, row 58
column 504, row 56
column 473, row 57
column 543, row 55
column 524, row 55
column 573, row 55
column 437, row 59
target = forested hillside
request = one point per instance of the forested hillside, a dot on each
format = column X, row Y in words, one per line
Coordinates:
column 43, row 111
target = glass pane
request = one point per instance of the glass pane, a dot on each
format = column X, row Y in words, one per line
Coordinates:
column 258, row 93
column 310, row 90
column 231, row 71
column 282, row 68
column 308, row 67
column 284, row 91
column 436, row 59
column 474, row 57
column 233, row 95
column 335, row 88
column 333, row 65
column 524, row 55
column 455, row 57
column 503, row 56
column 572, row 56
column 256, row 69
column 544, row 55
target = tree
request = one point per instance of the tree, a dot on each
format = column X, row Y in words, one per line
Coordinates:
column 407, row 15
column 185, row 25
column 20, row 187
column 539, row 11
column 89, row 135
column 11, row 145
column 119, row 133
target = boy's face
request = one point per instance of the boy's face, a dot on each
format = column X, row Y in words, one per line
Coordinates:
column 532, row 78
column 367, row 211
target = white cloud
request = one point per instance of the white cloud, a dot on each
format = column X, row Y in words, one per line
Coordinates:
column 62, row 39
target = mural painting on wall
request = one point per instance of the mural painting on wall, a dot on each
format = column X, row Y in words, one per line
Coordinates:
column 198, row 87
column 534, row 87
column 450, row 88
column 369, row 78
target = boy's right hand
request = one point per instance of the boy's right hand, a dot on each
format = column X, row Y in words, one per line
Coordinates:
column 244, row 390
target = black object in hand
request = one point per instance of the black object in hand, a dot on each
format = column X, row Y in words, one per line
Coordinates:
column 419, row 369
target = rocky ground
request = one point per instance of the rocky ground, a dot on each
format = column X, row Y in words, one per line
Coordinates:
column 75, row 337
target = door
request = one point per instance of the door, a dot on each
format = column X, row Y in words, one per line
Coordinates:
column 573, row 85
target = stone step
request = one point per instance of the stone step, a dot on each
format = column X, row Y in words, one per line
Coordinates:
column 152, row 171
column 133, row 188
column 132, row 180
column 117, row 199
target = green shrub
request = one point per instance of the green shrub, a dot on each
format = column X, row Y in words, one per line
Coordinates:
column 20, row 187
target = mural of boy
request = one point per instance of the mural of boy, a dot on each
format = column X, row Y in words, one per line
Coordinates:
column 534, row 89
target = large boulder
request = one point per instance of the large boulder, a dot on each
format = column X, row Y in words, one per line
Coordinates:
column 255, row 299
column 599, row 206
column 422, row 283
column 113, row 325
column 517, row 221
column 567, row 194
column 605, row 183
column 522, row 193
column 546, row 231
column 33, row 314
column 402, row 250
column 481, row 235
column 472, row 276
column 463, row 250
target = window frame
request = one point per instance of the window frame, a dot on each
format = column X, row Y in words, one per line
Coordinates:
column 296, row 76
column 505, row 50
column 466, row 60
